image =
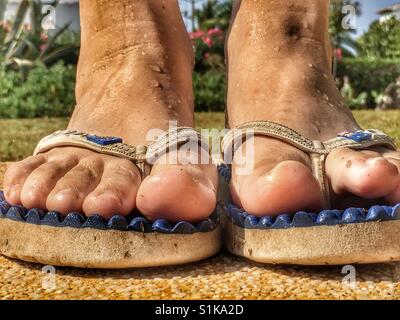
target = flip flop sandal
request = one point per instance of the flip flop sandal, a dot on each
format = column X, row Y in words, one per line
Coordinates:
column 120, row 242
column 354, row 235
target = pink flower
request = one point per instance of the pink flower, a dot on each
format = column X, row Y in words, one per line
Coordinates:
column 215, row 32
column 42, row 47
column 196, row 35
column 208, row 41
column 207, row 37
column 339, row 54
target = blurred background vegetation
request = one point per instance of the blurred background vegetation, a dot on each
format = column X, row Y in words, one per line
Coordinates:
column 37, row 67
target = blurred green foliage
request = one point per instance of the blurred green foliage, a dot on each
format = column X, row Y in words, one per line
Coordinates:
column 43, row 91
column 36, row 78
column 382, row 40
column 370, row 76
column 209, row 90
column 214, row 14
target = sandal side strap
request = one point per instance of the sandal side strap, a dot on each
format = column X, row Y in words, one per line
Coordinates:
column 267, row 128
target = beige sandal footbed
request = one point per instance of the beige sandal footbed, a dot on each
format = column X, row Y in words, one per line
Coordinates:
column 94, row 248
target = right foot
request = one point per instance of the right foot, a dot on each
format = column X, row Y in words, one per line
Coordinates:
column 134, row 75
column 279, row 70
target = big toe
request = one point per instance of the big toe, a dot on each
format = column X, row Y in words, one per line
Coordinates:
column 287, row 188
column 179, row 192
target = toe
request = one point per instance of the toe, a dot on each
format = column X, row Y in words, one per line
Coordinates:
column 393, row 157
column 70, row 191
column 179, row 192
column 116, row 192
column 287, row 188
column 279, row 182
column 43, row 179
column 16, row 176
column 366, row 174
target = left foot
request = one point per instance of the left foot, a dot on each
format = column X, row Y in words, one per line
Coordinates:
column 134, row 75
column 279, row 70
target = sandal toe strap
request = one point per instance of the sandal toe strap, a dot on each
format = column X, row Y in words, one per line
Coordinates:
column 143, row 156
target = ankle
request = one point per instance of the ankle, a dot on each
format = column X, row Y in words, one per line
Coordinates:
column 285, row 29
column 136, row 61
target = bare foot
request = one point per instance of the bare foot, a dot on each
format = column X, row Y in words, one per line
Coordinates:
column 279, row 70
column 134, row 75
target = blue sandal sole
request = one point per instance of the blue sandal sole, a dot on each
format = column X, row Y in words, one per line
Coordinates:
column 334, row 237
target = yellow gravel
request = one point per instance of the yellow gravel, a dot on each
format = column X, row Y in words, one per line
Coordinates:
column 221, row 277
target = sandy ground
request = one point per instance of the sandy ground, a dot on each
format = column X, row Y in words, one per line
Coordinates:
column 221, row 277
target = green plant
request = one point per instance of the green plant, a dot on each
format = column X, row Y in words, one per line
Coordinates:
column 368, row 75
column 382, row 40
column 43, row 91
column 377, row 96
column 209, row 49
column 352, row 100
column 3, row 5
column 24, row 45
column 209, row 89
column 214, row 14
column 69, row 37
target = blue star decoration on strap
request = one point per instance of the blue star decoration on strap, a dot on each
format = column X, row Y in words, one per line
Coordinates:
column 103, row 141
column 357, row 136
